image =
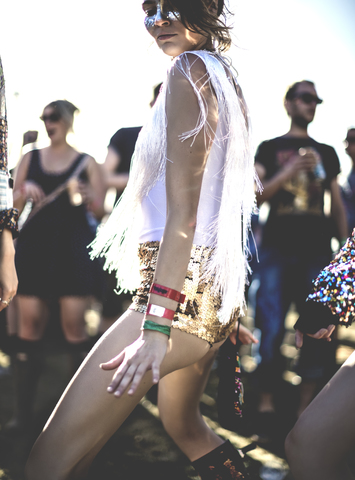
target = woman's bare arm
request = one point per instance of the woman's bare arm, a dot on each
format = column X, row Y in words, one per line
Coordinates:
column 184, row 174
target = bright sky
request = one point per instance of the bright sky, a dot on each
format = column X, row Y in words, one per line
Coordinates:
column 99, row 56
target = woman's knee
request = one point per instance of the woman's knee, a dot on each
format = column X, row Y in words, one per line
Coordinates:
column 31, row 328
column 75, row 331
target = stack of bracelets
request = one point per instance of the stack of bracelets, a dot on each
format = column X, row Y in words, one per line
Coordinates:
column 161, row 312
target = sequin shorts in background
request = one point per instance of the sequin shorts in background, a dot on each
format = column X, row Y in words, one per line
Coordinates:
column 198, row 314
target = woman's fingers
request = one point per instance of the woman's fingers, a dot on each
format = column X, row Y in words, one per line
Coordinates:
column 139, row 374
column 123, row 378
column 299, row 338
column 113, row 363
column 324, row 333
column 156, row 372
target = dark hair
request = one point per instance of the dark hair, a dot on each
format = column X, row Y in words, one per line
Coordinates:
column 65, row 109
column 292, row 89
column 197, row 17
column 156, row 90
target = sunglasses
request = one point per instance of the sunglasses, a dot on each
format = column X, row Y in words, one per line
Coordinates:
column 308, row 98
column 349, row 140
column 52, row 117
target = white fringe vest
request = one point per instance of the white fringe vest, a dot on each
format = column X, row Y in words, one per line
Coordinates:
column 117, row 240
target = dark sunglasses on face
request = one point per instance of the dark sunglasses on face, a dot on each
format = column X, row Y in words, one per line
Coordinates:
column 308, row 98
column 53, row 117
column 349, row 140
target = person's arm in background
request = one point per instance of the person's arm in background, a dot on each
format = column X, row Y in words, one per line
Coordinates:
column 97, row 188
column 338, row 211
column 8, row 215
column 114, row 179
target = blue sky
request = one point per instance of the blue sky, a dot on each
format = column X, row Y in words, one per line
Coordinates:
column 99, row 56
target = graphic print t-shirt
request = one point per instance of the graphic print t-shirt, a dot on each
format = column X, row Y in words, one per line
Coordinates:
column 296, row 219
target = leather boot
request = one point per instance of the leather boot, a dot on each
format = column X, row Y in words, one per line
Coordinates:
column 27, row 366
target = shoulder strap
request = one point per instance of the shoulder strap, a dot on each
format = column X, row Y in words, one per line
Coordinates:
column 59, row 190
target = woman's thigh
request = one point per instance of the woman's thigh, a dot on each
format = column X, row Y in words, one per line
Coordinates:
column 181, row 390
column 72, row 312
column 86, row 416
column 327, row 426
column 32, row 317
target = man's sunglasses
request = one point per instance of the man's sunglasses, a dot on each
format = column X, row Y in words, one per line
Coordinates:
column 308, row 98
column 349, row 140
column 53, row 117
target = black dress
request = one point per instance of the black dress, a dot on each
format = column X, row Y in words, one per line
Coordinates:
column 52, row 258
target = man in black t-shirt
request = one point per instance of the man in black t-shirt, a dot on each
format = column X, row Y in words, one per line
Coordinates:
column 295, row 171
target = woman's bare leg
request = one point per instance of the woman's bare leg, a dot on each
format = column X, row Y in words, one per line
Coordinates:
column 28, row 360
column 179, row 396
column 87, row 416
column 324, row 434
column 33, row 316
column 72, row 312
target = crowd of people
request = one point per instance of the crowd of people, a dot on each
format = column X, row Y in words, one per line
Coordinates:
column 188, row 185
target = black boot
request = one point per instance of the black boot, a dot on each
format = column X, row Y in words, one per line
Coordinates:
column 27, row 366
column 223, row 463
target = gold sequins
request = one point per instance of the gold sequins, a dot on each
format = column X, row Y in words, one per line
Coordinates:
column 198, row 314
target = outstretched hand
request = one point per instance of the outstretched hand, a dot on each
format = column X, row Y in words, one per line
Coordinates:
column 245, row 335
column 146, row 353
column 322, row 334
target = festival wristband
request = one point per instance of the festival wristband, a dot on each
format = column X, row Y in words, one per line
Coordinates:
column 158, row 311
column 149, row 325
column 167, row 292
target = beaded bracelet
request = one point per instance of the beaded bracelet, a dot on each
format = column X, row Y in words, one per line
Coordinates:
column 149, row 325
column 167, row 292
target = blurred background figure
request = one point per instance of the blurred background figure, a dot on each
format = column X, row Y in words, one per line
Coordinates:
column 116, row 167
column 65, row 190
column 8, row 216
column 30, row 138
column 348, row 188
column 295, row 171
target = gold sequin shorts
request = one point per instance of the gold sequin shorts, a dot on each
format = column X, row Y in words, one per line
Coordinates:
column 198, row 314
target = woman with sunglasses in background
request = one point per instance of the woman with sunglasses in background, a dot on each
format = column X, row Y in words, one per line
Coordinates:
column 52, row 259
column 191, row 185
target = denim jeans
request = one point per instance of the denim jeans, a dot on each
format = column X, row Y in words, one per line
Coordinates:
column 285, row 279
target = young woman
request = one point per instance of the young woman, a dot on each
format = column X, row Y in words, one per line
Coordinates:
column 191, row 185
column 52, row 258
column 322, row 439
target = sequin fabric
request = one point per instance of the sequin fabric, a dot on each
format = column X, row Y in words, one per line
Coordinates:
column 335, row 285
column 198, row 315
column 8, row 216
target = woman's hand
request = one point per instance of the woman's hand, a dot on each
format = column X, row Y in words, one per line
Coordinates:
column 146, row 353
column 8, row 276
column 322, row 334
column 245, row 335
column 30, row 189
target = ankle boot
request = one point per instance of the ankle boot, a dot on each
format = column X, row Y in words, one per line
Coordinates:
column 223, row 463
column 27, row 366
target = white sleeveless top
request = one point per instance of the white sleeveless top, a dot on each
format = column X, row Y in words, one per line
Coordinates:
column 227, row 197
column 154, row 204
